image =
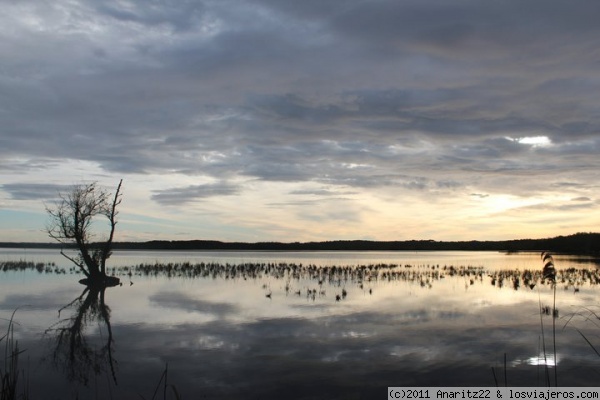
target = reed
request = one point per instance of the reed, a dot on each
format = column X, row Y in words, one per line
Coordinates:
column 11, row 373
column 22, row 265
column 549, row 273
column 588, row 314
column 165, row 385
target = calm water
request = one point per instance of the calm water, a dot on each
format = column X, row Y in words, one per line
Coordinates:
column 278, row 331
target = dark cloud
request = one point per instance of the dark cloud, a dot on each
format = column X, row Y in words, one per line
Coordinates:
column 177, row 196
column 582, row 198
column 561, row 206
column 319, row 192
column 141, row 102
column 34, row 191
column 459, row 29
column 178, row 16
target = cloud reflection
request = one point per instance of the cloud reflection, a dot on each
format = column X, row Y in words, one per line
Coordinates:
column 327, row 350
column 182, row 301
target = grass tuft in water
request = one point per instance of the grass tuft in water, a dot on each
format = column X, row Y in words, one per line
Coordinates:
column 10, row 372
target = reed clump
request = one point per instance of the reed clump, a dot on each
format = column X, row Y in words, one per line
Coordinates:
column 362, row 275
column 10, row 373
column 338, row 275
column 41, row 267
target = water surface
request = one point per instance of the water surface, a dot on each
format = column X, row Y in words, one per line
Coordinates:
column 298, row 324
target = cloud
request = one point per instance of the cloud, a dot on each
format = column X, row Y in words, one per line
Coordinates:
column 582, row 198
column 319, row 192
column 35, row 191
column 138, row 116
column 179, row 17
column 182, row 195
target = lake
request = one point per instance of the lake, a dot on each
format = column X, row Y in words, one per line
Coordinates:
column 298, row 325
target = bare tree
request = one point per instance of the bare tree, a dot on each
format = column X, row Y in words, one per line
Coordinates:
column 71, row 223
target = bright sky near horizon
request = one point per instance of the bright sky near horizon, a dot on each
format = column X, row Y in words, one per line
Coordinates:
column 287, row 120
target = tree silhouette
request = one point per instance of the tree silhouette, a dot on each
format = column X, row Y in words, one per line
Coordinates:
column 71, row 223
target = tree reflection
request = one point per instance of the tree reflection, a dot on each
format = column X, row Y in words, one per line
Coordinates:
column 72, row 352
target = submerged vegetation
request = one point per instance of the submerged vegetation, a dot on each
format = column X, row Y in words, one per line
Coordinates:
column 425, row 275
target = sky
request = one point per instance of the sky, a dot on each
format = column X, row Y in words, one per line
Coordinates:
column 287, row 120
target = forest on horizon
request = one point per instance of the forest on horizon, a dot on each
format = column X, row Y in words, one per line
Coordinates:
column 579, row 243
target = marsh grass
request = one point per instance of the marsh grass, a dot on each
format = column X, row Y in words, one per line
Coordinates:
column 22, row 265
column 10, row 373
column 588, row 314
column 549, row 274
column 572, row 278
column 165, row 386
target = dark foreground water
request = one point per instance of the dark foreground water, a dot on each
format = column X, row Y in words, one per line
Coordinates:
column 260, row 325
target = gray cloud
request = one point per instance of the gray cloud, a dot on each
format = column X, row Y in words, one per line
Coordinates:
column 34, row 191
column 178, row 17
column 319, row 192
column 582, row 198
column 177, row 196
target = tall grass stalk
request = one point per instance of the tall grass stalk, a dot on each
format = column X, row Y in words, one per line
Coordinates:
column 589, row 316
column 165, row 385
column 546, row 370
column 549, row 273
column 10, row 373
column 588, row 342
column 554, row 316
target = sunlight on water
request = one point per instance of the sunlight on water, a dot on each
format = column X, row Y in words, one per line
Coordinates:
column 541, row 360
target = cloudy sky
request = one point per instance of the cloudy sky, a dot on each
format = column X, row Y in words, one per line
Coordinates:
column 291, row 120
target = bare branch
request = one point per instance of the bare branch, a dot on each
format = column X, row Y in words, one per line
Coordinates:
column 79, row 264
column 111, row 215
column 71, row 222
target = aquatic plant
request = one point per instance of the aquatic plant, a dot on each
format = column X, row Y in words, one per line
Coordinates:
column 588, row 314
column 364, row 276
column 549, row 274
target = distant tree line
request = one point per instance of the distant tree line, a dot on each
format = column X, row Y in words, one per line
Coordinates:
column 579, row 243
